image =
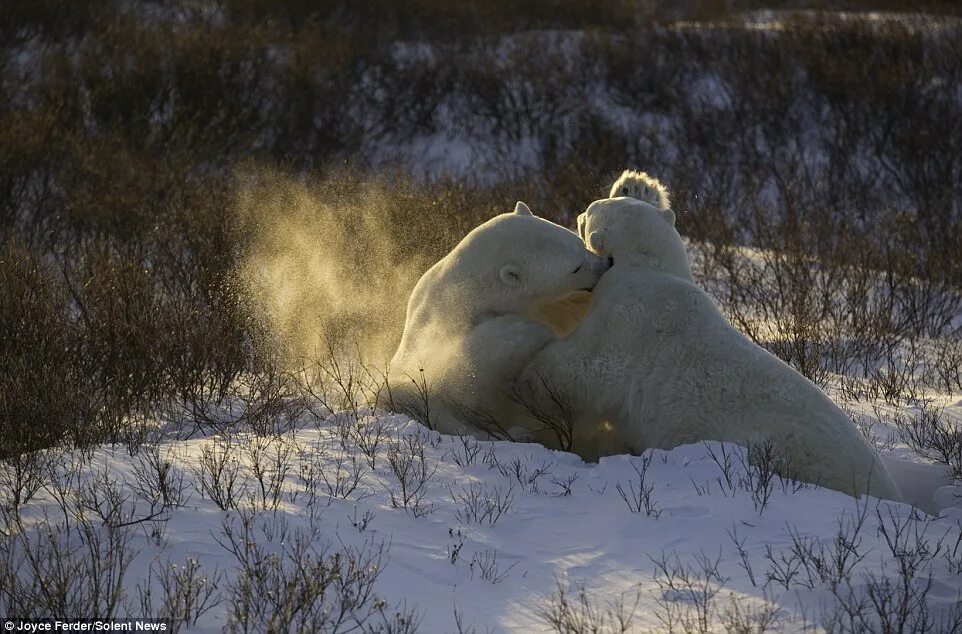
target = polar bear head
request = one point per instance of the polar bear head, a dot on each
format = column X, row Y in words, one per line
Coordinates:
column 516, row 261
column 635, row 233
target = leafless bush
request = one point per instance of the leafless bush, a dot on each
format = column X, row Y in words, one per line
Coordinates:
column 43, row 390
column 898, row 602
column 338, row 379
column 582, row 614
column 522, row 471
column 810, row 562
column 488, row 567
column 413, row 473
column 286, row 581
column 834, row 563
column 338, row 477
column 868, row 428
column 549, row 407
column 742, row 616
column 949, row 362
column 107, row 498
column 368, row 433
column 156, row 478
column 361, row 523
column 725, row 462
column 51, row 569
column 219, row 475
column 687, row 592
column 467, row 454
column 638, row 496
column 742, row 554
column 180, row 594
column 933, row 435
column 457, row 544
column 765, row 465
column 480, row 503
column 269, row 463
column 22, row 475
column 417, row 406
column 565, row 483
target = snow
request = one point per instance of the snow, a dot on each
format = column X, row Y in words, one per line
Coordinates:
column 563, row 523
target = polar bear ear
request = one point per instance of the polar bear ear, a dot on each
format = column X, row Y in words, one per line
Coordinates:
column 522, row 209
column 596, row 241
column 581, row 226
column 511, row 274
column 669, row 216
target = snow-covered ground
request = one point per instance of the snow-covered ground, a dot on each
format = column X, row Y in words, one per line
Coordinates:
column 455, row 530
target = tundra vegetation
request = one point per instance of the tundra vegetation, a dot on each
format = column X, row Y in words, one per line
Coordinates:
column 154, row 155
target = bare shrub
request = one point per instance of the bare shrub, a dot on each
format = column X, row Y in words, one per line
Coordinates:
column 582, row 613
column 549, row 407
column 52, row 569
column 465, row 451
column 765, row 465
column 43, row 390
column 179, row 593
column 933, row 435
column 417, row 406
column 743, row 616
column 834, row 563
column 219, row 475
column 744, row 561
column 156, row 478
column 687, row 592
column 287, row 581
column 638, row 495
column 522, row 471
column 564, row 484
column 118, row 505
column 488, row 567
column 337, row 379
column 480, row 503
column 337, row 477
column 269, row 463
column 949, row 362
column 22, row 475
column 898, row 602
column 412, row 472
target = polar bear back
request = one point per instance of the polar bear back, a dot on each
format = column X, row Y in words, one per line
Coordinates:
column 658, row 360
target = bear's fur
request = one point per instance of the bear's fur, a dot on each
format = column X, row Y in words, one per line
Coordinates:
column 479, row 315
column 658, row 361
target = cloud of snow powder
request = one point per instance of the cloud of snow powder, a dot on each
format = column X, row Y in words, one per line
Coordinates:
column 328, row 264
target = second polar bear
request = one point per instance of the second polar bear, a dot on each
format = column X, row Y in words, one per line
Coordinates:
column 658, row 361
column 480, row 314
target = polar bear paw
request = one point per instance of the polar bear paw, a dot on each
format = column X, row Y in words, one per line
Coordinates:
column 641, row 186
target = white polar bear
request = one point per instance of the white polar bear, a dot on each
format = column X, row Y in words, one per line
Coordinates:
column 658, row 361
column 479, row 315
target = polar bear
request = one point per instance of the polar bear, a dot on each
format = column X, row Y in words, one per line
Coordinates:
column 479, row 315
column 658, row 361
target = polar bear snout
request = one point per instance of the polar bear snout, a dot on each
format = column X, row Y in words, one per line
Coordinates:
column 594, row 267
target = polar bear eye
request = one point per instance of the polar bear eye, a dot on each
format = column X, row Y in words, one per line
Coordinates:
column 624, row 190
column 577, row 269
